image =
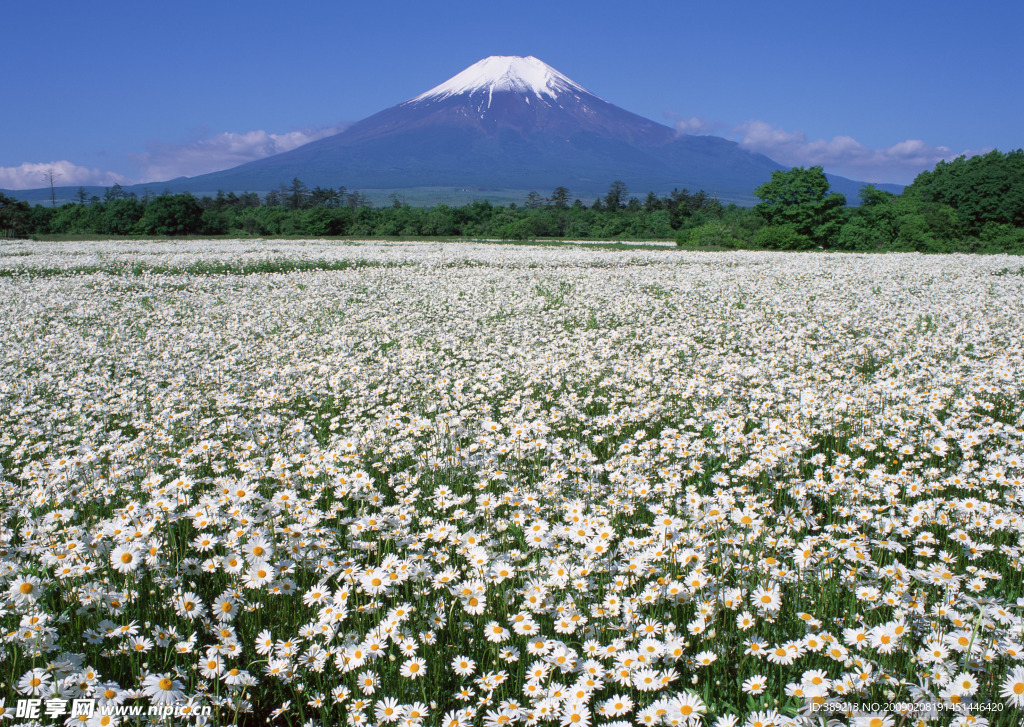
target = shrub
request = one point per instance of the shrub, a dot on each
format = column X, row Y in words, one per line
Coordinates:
column 782, row 237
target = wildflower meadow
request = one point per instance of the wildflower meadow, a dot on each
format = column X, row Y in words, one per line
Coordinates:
column 330, row 483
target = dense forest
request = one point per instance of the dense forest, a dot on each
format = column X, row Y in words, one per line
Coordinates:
column 966, row 205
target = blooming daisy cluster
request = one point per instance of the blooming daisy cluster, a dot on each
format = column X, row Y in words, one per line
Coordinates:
column 471, row 484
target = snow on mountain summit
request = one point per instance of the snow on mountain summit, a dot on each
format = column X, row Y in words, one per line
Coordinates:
column 506, row 73
column 506, row 123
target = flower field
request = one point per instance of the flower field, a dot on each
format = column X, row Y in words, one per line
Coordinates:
column 323, row 483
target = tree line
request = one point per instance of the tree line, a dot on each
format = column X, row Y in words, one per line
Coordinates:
column 295, row 210
column 966, row 205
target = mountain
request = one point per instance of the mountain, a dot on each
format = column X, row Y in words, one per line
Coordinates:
column 508, row 123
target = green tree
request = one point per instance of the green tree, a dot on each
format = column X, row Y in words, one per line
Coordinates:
column 14, row 216
column 320, row 222
column 121, row 216
column 616, row 197
column 872, row 197
column 441, row 221
column 39, row 219
column 77, row 219
column 177, row 214
column 115, row 192
column 906, row 222
column 324, row 198
column 249, row 200
column 215, row 221
column 560, row 198
column 800, row 198
column 297, row 197
column 355, row 199
column 981, row 189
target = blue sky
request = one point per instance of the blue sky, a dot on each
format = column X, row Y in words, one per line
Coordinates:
column 138, row 91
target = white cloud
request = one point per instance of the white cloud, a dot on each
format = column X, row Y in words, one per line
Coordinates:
column 693, row 125
column 34, row 175
column 163, row 160
column 759, row 135
column 844, row 155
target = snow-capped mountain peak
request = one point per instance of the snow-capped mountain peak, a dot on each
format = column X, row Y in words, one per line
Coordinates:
column 507, row 123
column 506, row 73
